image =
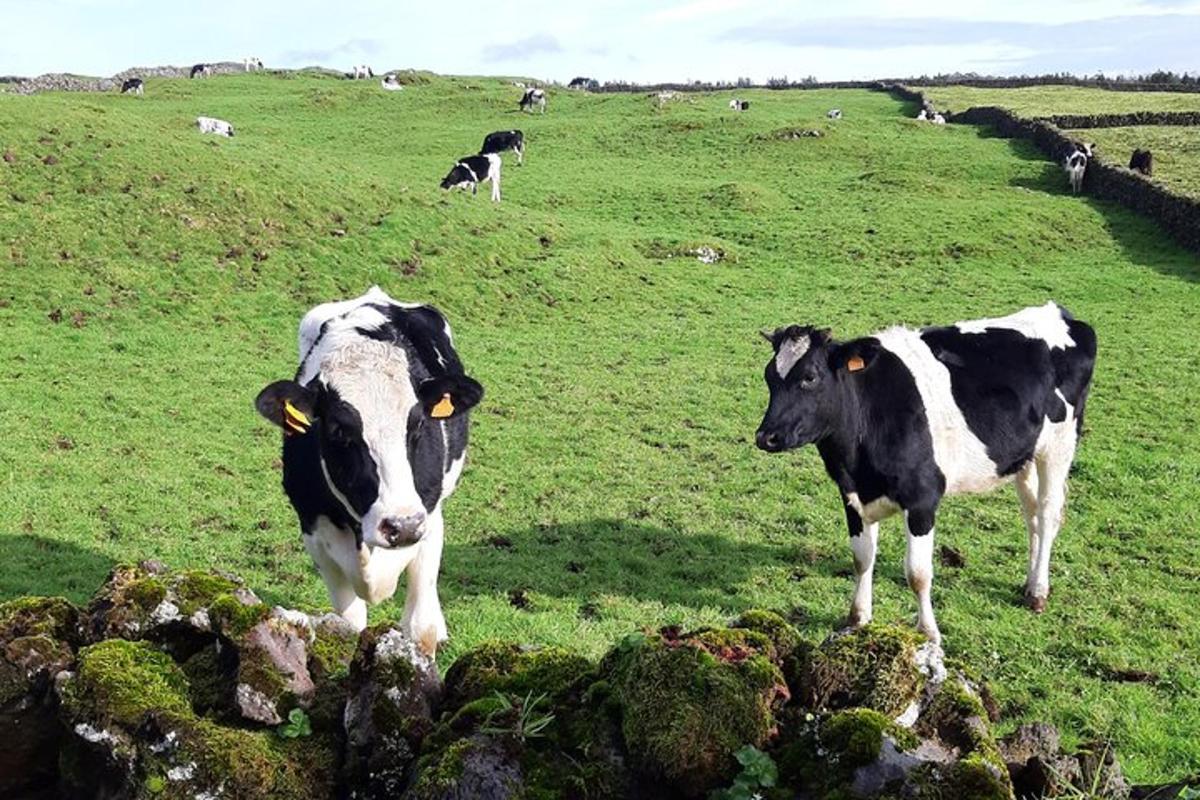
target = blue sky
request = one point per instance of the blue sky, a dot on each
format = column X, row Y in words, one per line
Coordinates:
column 620, row 40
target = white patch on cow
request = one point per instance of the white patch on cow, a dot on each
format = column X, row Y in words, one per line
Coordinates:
column 790, row 352
column 1037, row 322
column 960, row 455
column 214, row 125
column 355, row 576
column 878, row 509
column 864, row 545
column 493, row 175
column 337, row 493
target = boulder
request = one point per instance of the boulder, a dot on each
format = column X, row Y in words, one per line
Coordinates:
column 687, row 702
column 37, row 636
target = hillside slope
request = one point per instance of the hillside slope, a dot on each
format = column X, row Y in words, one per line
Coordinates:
column 151, row 281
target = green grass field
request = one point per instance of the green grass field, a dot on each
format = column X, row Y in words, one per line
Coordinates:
column 151, row 282
column 1045, row 101
column 1176, row 151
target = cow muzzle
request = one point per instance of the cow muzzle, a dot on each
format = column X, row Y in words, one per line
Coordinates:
column 401, row 531
column 770, row 441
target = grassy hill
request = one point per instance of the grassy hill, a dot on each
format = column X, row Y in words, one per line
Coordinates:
column 151, row 281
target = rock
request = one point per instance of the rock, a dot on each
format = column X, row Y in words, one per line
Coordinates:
column 873, row 667
column 1098, row 767
column 272, row 670
column 687, row 702
column 512, row 669
column 36, row 639
column 393, row 692
column 478, row 768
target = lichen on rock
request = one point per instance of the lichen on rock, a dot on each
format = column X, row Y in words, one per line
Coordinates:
column 872, row 667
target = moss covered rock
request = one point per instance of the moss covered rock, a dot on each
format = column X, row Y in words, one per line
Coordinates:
column 512, row 669
column 687, row 702
column 37, row 635
column 393, row 691
column 873, row 667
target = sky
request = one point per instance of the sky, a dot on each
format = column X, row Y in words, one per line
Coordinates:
column 644, row 42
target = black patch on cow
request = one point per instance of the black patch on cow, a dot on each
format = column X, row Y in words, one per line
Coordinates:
column 1003, row 382
column 471, row 169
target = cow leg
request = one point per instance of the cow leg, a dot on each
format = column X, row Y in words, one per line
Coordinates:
column 520, row 156
column 918, row 568
column 1027, row 492
column 322, row 544
column 863, row 540
column 1053, row 464
column 423, row 620
column 346, row 603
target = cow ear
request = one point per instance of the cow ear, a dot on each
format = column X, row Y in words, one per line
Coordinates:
column 449, row 395
column 853, row 356
column 289, row 405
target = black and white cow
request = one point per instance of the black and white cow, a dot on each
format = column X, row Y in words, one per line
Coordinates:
column 500, row 141
column 533, row 97
column 834, row 113
column 471, row 171
column 252, row 63
column 132, row 86
column 375, row 425
column 362, row 71
column 201, row 71
column 904, row 417
column 213, row 125
column 739, row 105
column 1075, row 164
column 1142, row 161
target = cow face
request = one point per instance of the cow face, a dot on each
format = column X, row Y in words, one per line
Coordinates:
column 458, row 178
column 801, row 383
column 380, row 439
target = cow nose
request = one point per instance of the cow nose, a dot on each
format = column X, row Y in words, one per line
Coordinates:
column 402, row 531
column 767, row 441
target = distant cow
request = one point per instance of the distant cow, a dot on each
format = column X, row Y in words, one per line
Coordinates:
column 214, row 125
column 362, row 71
column 252, row 63
column 587, row 84
column 132, row 86
column 471, row 171
column 533, row 97
column 1142, row 161
column 938, row 119
column 500, row 141
column 905, row 417
column 1075, row 165
column 201, row 71
column 924, row 115
column 391, row 84
column 375, row 426
column 739, row 105
column 834, row 113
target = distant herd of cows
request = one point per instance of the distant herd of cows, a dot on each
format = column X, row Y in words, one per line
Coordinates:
column 375, row 422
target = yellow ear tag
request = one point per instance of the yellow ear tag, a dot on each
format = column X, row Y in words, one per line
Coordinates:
column 855, row 363
column 294, row 420
column 443, row 409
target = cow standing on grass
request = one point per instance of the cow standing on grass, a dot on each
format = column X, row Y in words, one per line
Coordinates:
column 375, row 436
column 201, row 71
column 132, row 86
column 533, row 98
column 1142, row 161
column 500, row 141
column 213, row 125
column 905, row 417
column 471, row 171
column 1075, row 164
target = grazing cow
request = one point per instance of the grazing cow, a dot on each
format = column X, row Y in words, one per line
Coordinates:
column 214, row 125
column 924, row 115
column 904, row 417
column 201, row 71
column 834, row 113
column 938, row 119
column 252, row 63
column 499, row 141
column 533, row 97
column 1075, row 165
column 362, row 71
column 132, row 86
column 391, row 84
column 1142, row 161
column 739, row 105
column 375, row 436
column 471, row 171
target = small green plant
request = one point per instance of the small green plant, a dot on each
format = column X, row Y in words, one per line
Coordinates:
column 1067, row 789
column 758, row 772
column 528, row 723
column 297, row 726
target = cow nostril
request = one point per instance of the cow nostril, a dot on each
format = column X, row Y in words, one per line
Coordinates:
column 401, row 531
column 767, row 441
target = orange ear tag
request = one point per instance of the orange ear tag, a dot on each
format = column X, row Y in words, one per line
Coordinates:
column 443, row 409
column 855, row 363
column 294, row 420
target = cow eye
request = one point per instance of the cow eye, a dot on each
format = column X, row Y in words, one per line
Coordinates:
column 808, row 380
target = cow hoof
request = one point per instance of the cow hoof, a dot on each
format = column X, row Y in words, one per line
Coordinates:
column 427, row 642
column 1035, row 604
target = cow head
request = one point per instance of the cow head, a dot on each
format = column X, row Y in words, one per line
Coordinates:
column 458, row 178
column 804, row 377
column 379, row 437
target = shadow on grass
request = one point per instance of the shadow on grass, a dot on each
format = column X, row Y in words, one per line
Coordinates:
column 35, row 565
column 586, row 559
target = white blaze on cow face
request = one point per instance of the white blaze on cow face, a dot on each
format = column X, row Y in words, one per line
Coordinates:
column 373, row 378
column 790, row 353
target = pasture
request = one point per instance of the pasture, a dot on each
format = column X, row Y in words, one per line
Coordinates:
column 1176, row 151
column 151, row 281
column 1045, row 101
